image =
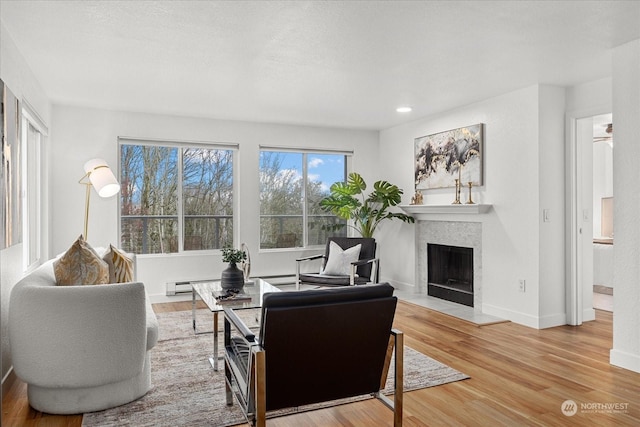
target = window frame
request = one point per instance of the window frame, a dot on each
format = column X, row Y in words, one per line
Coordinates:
column 32, row 173
column 180, row 145
column 348, row 159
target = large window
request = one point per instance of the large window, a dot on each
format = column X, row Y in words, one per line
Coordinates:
column 291, row 187
column 32, row 142
column 175, row 197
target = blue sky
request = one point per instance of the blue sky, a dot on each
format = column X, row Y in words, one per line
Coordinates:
column 326, row 168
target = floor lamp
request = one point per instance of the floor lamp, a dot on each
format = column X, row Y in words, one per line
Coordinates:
column 99, row 176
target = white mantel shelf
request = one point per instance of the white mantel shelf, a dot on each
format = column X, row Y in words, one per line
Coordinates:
column 421, row 212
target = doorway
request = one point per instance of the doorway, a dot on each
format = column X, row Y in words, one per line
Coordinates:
column 603, row 212
column 585, row 189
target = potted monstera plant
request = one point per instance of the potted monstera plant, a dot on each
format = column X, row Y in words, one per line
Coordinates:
column 347, row 200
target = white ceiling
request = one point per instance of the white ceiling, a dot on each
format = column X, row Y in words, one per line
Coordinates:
column 337, row 63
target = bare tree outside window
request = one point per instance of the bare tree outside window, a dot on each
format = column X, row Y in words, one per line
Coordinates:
column 207, row 198
column 152, row 187
column 291, row 187
column 281, row 213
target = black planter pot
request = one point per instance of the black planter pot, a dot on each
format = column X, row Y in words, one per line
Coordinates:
column 232, row 277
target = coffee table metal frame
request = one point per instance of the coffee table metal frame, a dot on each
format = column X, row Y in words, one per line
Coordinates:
column 205, row 290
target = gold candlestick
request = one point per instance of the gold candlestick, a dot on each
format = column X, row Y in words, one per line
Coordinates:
column 470, row 202
column 457, row 200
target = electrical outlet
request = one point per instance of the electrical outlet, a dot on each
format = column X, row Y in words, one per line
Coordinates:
column 521, row 285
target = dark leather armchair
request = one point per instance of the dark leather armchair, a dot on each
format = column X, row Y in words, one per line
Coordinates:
column 364, row 270
column 314, row 346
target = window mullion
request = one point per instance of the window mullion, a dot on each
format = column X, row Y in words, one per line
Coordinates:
column 305, row 210
column 180, row 210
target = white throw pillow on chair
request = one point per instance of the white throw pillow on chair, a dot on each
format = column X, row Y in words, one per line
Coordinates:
column 339, row 261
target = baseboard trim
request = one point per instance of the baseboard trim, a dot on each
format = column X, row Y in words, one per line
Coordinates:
column 402, row 286
column 514, row 316
column 588, row 315
column 624, row 360
column 8, row 381
column 552, row 320
column 162, row 298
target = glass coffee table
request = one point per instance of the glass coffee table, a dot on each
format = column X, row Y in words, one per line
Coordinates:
column 205, row 291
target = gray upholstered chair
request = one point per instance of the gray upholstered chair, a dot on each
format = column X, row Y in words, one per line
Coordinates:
column 364, row 270
column 314, row 346
column 81, row 348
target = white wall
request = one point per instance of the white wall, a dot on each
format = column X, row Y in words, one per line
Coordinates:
column 82, row 134
column 582, row 103
column 626, row 273
column 551, row 185
column 584, row 156
column 19, row 78
column 602, row 181
column 591, row 98
column 515, row 124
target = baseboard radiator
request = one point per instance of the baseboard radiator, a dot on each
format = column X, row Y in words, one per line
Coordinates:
column 184, row 286
column 175, row 288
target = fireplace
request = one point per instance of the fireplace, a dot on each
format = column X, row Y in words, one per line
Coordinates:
column 465, row 234
column 450, row 273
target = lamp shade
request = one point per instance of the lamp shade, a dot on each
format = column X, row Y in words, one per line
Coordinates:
column 101, row 177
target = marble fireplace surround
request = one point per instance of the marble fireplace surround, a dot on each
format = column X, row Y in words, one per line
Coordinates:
column 464, row 231
column 451, row 233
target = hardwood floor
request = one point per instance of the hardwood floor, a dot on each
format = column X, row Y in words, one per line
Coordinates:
column 519, row 377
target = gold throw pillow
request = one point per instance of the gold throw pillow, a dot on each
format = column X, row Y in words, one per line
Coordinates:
column 120, row 266
column 81, row 265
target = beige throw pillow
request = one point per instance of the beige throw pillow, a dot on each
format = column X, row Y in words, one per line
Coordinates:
column 120, row 266
column 339, row 261
column 80, row 265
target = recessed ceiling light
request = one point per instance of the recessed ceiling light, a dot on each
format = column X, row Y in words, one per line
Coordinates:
column 403, row 109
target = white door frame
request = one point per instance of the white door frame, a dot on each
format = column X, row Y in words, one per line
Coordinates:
column 574, row 221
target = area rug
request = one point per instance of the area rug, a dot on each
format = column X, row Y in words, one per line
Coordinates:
column 188, row 392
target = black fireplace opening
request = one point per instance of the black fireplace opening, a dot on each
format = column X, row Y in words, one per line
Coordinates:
column 450, row 273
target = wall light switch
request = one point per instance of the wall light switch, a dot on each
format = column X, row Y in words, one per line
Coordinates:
column 545, row 215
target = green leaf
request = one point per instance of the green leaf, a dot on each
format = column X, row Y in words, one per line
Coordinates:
column 356, row 183
column 365, row 214
column 386, row 193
